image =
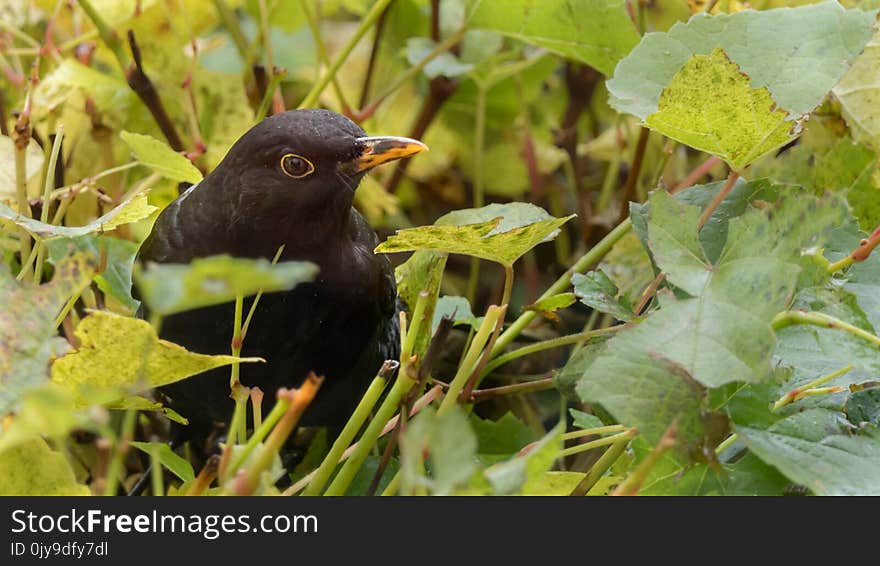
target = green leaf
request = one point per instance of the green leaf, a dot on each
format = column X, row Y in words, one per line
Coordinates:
column 132, row 209
column 857, row 92
column 159, row 157
column 423, row 272
column 446, row 64
column 596, row 32
column 505, row 436
column 816, row 448
column 514, row 229
column 797, row 54
column 175, row 464
column 118, row 354
column 32, row 468
column 115, row 280
column 585, row 420
column 708, row 83
column 45, row 410
column 548, row 307
column 172, row 288
column 554, row 483
column 566, row 379
column 452, row 448
column 864, row 406
column 28, row 337
column 456, row 308
column 139, row 403
column 596, row 290
column 748, row 476
column 713, row 235
column 641, row 388
column 524, row 473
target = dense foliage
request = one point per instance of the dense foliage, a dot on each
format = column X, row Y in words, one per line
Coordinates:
column 696, row 314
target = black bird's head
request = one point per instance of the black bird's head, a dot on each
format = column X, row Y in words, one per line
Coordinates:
column 304, row 163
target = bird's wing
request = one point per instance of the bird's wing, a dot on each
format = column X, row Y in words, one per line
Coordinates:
column 363, row 234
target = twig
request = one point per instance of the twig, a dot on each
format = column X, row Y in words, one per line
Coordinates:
column 141, row 84
column 603, row 464
column 632, row 179
column 719, row 198
column 697, row 174
column 861, row 253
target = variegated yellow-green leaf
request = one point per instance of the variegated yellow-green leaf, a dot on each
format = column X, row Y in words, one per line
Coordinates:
column 32, row 468
column 28, row 337
column 122, row 354
column 500, row 233
column 710, row 105
column 130, row 210
column 790, row 59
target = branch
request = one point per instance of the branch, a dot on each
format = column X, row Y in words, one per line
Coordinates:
column 141, row 84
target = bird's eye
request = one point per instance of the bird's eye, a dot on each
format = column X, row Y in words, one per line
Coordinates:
column 296, row 166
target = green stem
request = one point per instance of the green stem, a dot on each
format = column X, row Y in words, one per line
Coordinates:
column 513, row 389
column 547, row 345
column 345, row 438
column 586, row 261
column 410, row 73
column 24, row 208
column 804, row 390
column 465, row 369
column 415, row 326
column 633, row 482
column 596, row 443
column 591, row 431
column 230, row 22
column 121, row 448
column 727, row 443
column 822, row 320
column 156, row 472
column 322, row 50
column 259, row 434
column 298, row 401
column 602, row 465
column 277, row 76
column 385, row 412
column 108, row 36
column 66, row 309
column 47, row 191
column 256, row 301
column 366, row 23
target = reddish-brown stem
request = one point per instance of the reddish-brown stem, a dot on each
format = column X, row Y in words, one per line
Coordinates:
column 649, row 292
column 719, row 198
column 441, row 88
column 374, row 54
column 632, row 179
column 697, row 174
column 4, row 127
column 141, row 84
column 514, row 389
column 580, row 82
column 468, row 389
column 866, row 246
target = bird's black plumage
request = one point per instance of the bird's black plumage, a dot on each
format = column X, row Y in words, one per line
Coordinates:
column 288, row 181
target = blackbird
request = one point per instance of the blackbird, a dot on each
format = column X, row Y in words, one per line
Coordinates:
column 290, row 180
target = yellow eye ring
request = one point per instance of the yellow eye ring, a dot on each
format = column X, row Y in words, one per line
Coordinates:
column 296, row 166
